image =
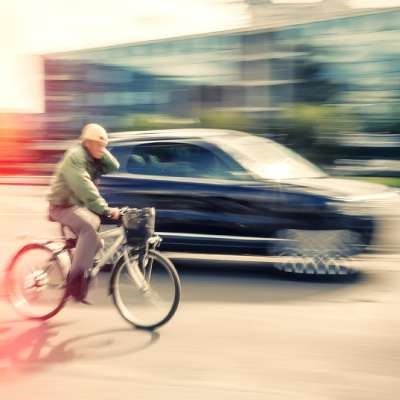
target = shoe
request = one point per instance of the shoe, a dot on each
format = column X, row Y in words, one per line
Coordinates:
column 78, row 287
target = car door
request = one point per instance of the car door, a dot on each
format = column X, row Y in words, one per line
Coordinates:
column 200, row 195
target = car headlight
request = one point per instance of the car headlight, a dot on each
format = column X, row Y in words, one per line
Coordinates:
column 365, row 205
column 351, row 208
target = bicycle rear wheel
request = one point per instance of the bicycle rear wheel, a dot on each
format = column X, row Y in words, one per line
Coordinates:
column 36, row 282
column 147, row 297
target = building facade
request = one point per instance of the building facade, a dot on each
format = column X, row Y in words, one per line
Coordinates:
column 353, row 61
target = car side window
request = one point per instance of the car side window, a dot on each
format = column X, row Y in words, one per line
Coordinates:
column 121, row 154
column 176, row 159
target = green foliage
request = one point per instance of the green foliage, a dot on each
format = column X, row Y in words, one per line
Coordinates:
column 314, row 130
column 394, row 182
column 224, row 120
column 154, row 121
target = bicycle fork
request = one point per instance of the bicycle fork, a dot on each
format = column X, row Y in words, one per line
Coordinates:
column 132, row 266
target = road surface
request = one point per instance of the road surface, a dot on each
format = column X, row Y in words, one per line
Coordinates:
column 244, row 333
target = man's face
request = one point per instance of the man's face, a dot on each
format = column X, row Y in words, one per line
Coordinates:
column 96, row 149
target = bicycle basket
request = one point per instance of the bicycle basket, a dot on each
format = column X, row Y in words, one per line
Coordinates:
column 139, row 224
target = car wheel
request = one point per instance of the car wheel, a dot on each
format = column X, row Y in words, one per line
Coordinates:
column 316, row 252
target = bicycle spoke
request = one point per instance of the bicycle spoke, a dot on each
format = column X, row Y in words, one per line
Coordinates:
column 147, row 298
column 36, row 284
column 148, row 270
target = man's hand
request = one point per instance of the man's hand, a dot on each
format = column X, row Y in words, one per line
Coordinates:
column 113, row 213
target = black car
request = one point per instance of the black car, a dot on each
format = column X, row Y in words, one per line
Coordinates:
column 218, row 191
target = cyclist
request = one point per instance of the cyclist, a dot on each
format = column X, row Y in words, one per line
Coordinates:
column 75, row 201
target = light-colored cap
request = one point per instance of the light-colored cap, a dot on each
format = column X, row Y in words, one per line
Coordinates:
column 94, row 132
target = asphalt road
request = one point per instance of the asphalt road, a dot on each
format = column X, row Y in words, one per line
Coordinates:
column 242, row 333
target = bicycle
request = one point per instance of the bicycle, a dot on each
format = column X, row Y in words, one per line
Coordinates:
column 144, row 284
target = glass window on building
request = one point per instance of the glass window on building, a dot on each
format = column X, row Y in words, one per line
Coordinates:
column 375, row 22
column 110, row 98
column 258, row 96
column 199, row 45
column 134, row 51
column 256, row 70
column 109, row 75
column 138, row 98
column 280, row 69
column 214, row 43
column 154, row 49
column 120, row 76
column 289, row 34
column 280, row 94
column 315, row 29
column 117, row 53
column 189, row 46
column 132, row 97
column 144, row 98
column 392, row 20
column 231, row 43
column 138, row 51
column 261, row 42
column 94, row 75
column 230, row 71
column 163, row 49
column 142, row 50
column 247, row 46
column 150, row 49
column 173, row 48
column 124, row 99
column 161, row 98
column 92, row 99
column 180, row 47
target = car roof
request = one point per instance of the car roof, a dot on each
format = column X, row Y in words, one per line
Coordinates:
column 171, row 134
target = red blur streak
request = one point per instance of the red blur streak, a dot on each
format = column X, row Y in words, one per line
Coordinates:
column 21, row 347
column 15, row 139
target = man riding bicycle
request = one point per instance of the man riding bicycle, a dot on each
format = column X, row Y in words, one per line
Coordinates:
column 75, row 201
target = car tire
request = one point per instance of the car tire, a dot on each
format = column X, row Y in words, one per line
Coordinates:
column 316, row 252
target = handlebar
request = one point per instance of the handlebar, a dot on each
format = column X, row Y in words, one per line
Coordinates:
column 108, row 220
column 123, row 210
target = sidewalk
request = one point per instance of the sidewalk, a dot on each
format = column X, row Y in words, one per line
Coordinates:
column 30, row 180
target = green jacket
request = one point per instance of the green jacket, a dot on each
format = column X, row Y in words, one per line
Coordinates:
column 73, row 182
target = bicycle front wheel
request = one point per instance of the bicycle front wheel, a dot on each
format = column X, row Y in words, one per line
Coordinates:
column 35, row 282
column 145, row 296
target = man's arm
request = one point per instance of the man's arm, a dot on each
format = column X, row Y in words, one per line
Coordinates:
column 108, row 163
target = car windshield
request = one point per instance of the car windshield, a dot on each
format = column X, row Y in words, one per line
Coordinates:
column 270, row 160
